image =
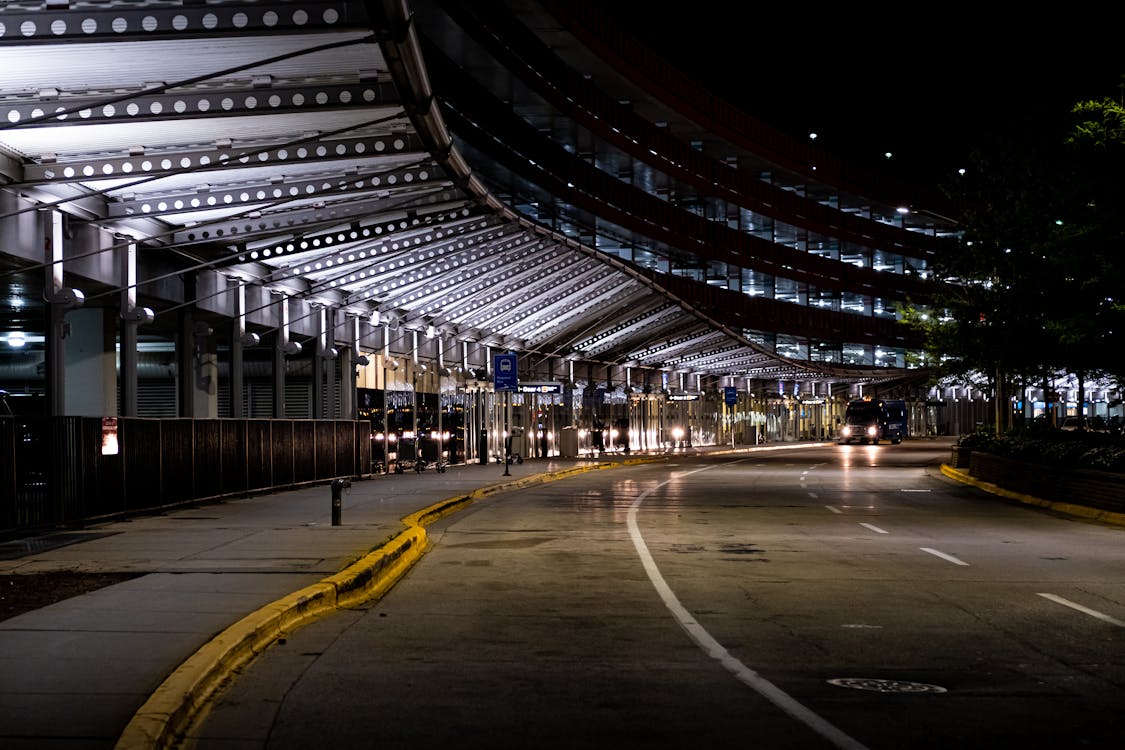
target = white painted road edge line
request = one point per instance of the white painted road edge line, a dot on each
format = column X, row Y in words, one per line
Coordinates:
column 1085, row 610
column 874, row 528
column 715, row 650
column 943, row 556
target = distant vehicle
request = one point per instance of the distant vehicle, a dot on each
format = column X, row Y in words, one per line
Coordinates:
column 896, row 428
column 864, row 421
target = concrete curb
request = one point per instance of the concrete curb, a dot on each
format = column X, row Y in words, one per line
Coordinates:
column 185, row 694
column 1072, row 509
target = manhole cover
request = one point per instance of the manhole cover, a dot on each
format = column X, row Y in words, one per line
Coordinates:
column 885, row 686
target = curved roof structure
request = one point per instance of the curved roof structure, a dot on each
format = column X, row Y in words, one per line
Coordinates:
column 514, row 175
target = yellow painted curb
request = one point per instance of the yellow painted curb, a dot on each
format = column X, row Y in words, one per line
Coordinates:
column 183, row 697
column 1071, row 509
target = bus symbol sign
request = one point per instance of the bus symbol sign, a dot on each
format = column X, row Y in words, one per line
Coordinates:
column 504, row 372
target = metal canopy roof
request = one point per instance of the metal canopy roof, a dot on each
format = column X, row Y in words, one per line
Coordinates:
column 283, row 144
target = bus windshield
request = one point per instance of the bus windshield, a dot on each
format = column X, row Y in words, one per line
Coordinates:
column 864, row 412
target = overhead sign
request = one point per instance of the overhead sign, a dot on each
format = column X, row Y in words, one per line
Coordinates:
column 683, row 397
column 730, row 395
column 504, row 372
column 540, row 388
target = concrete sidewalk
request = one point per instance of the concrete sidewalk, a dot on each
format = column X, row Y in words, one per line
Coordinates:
column 125, row 665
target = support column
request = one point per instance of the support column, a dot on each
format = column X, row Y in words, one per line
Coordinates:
column 60, row 299
column 132, row 317
column 90, row 363
column 330, row 360
column 282, row 347
column 349, row 359
column 185, row 351
column 239, row 338
column 205, row 380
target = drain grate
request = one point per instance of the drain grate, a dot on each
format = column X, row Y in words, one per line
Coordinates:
column 885, row 686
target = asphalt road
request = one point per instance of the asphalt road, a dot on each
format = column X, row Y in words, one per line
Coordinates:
column 843, row 596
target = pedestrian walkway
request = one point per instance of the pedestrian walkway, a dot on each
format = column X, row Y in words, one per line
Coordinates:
column 123, row 666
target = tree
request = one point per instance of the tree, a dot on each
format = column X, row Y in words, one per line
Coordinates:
column 1040, row 267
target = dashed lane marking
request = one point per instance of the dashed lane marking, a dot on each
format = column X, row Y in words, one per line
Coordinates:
column 1084, row 610
column 943, row 555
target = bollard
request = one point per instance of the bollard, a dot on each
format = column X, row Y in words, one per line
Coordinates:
column 338, row 486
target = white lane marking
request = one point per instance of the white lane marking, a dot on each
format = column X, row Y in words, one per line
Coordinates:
column 833, row 509
column 874, row 528
column 813, row 495
column 943, row 556
column 715, row 650
column 915, row 490
column 1085, row 610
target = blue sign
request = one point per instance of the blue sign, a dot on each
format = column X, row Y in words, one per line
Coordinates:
column 730, row 394
column 504, row 372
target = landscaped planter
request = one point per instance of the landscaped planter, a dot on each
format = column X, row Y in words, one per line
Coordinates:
column 960, row 457
column 1103, row 490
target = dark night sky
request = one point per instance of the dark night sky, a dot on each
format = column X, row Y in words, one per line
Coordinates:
column 927, row 88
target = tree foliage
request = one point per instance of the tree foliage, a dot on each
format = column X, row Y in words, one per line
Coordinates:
column 1040, row 266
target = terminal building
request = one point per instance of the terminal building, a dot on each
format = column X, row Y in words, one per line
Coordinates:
column 252, row 244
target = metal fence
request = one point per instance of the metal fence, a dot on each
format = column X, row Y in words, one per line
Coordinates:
column 57, row 471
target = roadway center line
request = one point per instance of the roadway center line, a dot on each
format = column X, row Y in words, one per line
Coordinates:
column 715, row 650
column 874, row 528
column 943, row 556
column 1085, row 610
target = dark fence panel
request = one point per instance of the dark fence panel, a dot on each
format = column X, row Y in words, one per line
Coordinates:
column 305, row 450
column 366, row 442
column 68, row 450
column 53, row 471
column 282, row 459
column 7, row 472
column 344, row 439
column 33, row 505
column 143, row 462
column 178, row 458
column 207, row 459
column 233, row 467
column 324, row 435
column 103, row 478
column 259, row 454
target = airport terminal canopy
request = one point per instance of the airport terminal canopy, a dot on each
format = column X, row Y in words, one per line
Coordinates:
column 499, row 176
